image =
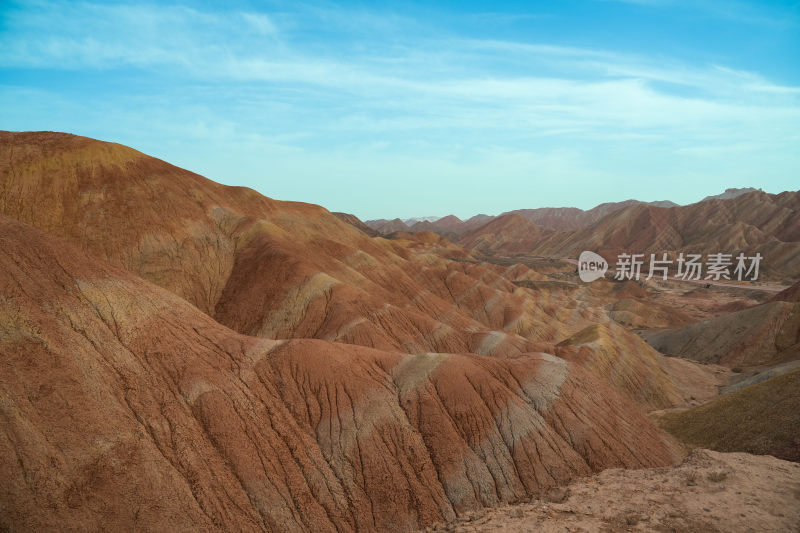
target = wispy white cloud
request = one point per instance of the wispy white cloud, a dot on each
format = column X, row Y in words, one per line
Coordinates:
column 448, row 81
column 264, row 80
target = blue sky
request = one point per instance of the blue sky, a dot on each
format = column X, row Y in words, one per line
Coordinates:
column 408, row 109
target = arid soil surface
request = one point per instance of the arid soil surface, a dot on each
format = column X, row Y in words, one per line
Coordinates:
column 709, row 492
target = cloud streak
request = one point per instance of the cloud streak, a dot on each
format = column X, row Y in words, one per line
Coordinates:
column 270, row 80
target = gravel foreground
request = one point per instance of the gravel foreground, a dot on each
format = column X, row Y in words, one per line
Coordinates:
column 708, row 492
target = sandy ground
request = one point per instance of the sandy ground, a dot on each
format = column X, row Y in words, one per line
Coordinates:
column 709, row 492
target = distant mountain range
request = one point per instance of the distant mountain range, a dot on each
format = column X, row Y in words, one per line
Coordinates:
column 738, row 220
column 554, row 218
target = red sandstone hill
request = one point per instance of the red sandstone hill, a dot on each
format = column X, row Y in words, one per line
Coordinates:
column 449, row 223
column 280, row 269
column 753, row 222
column 287, row 269
column 554, row 218
column 571, row 218
column 509, row 233
column 551, row 218
column 739, row 220
column 258, row 266
column 268, row 268
column 125, row 407
column 474, row 223
column 384, row 226
column 747, row 222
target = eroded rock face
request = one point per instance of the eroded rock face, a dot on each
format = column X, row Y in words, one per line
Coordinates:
column 259, row 266
column 291, row 270
column 123, row 406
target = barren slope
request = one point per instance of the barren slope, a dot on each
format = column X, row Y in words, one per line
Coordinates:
column 261, row 267
column 124, row 407
column 570, row 218
column 763, row 418
column 764, row 335
column 509, row 233
column 632, row 367
column 285, row 269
